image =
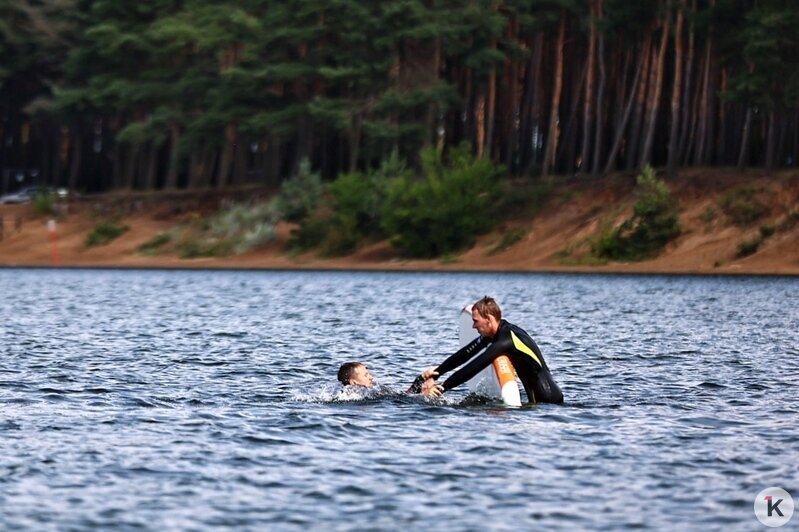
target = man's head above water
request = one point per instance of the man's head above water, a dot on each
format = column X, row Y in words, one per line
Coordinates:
column 355, row 373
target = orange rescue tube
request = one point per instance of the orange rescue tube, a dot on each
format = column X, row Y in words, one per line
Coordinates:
column 507, row 380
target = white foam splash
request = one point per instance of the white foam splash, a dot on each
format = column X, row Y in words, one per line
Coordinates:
column 335, row 393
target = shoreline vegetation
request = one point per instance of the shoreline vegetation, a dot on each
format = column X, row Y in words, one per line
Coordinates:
column 704, row 221
column 262, row 135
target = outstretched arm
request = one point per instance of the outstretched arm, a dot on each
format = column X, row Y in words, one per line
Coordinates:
column 474, row 367
column 462, row 355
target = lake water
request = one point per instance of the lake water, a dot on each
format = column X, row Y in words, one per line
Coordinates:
column 193, row 400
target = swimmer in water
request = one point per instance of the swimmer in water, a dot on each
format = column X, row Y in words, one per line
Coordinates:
column 357, row 374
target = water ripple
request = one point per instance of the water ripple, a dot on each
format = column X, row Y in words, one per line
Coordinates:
column 195, row 400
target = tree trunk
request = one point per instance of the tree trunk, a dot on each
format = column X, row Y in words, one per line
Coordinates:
column 633, row 137
column 614, row 151
column 152, row 167
column 174, row 141
column 226, row 160
column 781, row 139
column 600, row 96
column 625, row 70
column 513, row 111
column 654, row 99
column 724, row 133
column 588, row 107
column 195, row 169
column 685, row 121
column 771, row 141
column 116, row 163
column 704, row 112
column 568, row 145
column 240, row 163
column 76, row 158
column 554, row 116
column 273, row 161
column 708, row 156
column 673, row 158
column 355, row 141
column 479, row 124
column 469, row 113
column 529, row 130
column 212, row 158
column 304, row 141
column 491, row 105
column 129, row 175
column 743, row 154
column 431, row 123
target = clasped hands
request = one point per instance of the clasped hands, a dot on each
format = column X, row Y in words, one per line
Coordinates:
column 433, row 389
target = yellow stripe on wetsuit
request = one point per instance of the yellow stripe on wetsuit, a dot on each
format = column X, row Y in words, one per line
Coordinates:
column 521, row 346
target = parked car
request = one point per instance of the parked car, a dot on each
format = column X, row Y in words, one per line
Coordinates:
column 24, row 195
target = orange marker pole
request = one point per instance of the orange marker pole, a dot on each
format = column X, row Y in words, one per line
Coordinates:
column 51, row 230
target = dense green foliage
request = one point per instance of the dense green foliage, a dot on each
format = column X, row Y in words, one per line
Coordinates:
column 745, row 205
column 154, row 244
column 104, row 233
column 654, row 223
column 446, row 209
column 234, row 230
column 101, row 94
column 359, row 203
column 427, row 216
column 300, row 194
column 749, row 247
column 44, row 204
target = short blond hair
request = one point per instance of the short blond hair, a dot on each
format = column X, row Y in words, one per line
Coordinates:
column 488, row 307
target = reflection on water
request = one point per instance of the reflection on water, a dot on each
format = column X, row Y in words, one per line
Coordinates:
column 199, row 400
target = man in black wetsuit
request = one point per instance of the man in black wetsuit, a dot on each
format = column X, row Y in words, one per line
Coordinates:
column 499, row 337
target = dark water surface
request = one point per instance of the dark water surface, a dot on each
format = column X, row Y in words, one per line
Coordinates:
column 160, row 400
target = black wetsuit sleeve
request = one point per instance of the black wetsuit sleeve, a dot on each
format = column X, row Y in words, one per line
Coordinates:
column 477, row 365
column 462, row 355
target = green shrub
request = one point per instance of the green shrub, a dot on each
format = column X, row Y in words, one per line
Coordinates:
column 231, row 231
column 300, row 195
column 708, row 215
column 444, row 210
column 192, row 248
column 310, row 233
column 158, row 241
column 744, row 205
column 44, row 204
column 105, row 232
column 342, row 237
column 358, row 199
column 767, row 230
column 749, row 247
column 509, row 239
column 654, row 223
column 245, row 226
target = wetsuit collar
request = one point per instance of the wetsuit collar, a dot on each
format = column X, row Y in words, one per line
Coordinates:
column 501, row 324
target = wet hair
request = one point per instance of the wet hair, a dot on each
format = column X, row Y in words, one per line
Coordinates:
column 347, row 372
column 488, row 307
